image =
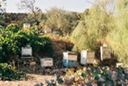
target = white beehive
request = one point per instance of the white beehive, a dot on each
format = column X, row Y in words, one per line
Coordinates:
column 105, row 52
column 26, row 25
column 70, row 59
column 87, row 57
column 46, row 62
column 70, row 55
column 26, row 52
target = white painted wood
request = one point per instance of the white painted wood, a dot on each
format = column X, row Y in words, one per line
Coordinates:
column 70, row 56
column 26, row 25
column 119, row 64
column 46, row 62
column 87, row 57
column 26, row 51
column 83, row 56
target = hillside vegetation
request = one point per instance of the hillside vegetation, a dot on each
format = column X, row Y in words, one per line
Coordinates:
column 87, row 30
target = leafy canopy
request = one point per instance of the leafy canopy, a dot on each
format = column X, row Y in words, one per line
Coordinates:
column 12, row 38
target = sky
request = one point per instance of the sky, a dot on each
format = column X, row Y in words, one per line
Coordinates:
column 69, row 5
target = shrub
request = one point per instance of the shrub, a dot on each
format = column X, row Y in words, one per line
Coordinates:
column 7, row 72
column 12, row 39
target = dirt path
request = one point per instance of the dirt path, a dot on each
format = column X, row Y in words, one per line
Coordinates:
column 34, row 80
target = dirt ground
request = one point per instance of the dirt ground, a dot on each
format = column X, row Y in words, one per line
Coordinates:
column 33, row 80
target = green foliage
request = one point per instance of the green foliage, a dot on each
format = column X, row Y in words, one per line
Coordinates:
column 7, row 72
column 121, row 4
column 56, row 19
column 34, row 20
column 2, row 20
column 12, row 27
column 103, row 76
column 95, row 26
column 79, row 37
column 12, row 39
column 117, row 38
column 100, row 26
column 92, row 31
column 59, row 19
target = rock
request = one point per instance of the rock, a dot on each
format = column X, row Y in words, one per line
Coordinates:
column 47, row 70
column 40, row 84
column 114, row 75
column 64, row 70
column 54, row 71
column 32, row 63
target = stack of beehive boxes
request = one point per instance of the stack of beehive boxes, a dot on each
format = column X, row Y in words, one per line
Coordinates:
column 70, row 59
column 87, row 57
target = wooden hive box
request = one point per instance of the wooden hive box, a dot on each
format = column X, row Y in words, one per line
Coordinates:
column 105, row 52
column 26, row 52
column 46, row 62
column 70, row 59
column 87, row 57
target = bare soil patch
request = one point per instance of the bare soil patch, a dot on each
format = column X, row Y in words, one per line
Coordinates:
column 33, row 80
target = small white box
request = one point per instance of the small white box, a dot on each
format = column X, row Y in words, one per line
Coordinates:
column 26, row 25
column 46, row 62
column 119, row 64
column 87, row 57
column 26, row 51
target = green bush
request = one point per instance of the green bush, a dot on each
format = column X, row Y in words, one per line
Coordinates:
column 12, row 38
column 7, row 72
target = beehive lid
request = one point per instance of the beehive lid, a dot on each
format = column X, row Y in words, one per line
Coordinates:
column 71, row 53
